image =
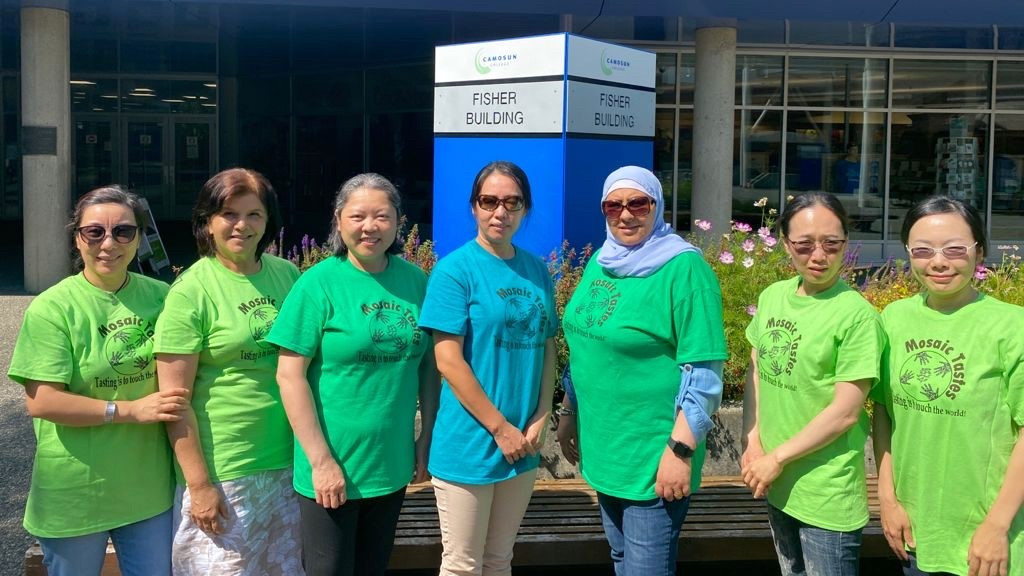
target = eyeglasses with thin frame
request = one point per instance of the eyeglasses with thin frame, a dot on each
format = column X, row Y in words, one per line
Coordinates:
column 490, row 203
column 957, row 252
column 638, row 206
column 828, row 245
column 94, row 234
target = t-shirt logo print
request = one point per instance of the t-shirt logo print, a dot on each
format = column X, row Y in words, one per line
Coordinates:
column 599, row 304
column 128, row 350
column 522, row 319
column 776, row 352
column 928, row 372
column 392, row 331
column 261, row 320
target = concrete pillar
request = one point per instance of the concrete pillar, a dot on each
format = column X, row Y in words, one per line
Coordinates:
column 714, row 102
column 46, row 140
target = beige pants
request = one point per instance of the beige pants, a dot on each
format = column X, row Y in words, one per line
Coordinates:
column 479, row 524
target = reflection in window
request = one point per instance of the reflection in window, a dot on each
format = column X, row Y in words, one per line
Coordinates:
column 937, row 154
column 1007, row 175
column 842, row 153
column 758, row 80
column 665, row 81
column 976, row 38
column 478, row 27
column 1010, row 86
column 170, row 96
column 941, row 84
column 684, row 174
column 838, row 33
column 1011, row 38
column 838, row 82
column 757, row 157
column 93, row 95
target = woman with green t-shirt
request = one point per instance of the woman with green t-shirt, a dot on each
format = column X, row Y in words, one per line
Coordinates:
column 85, row 357
column 949, row 419
column 235, row 510
column 644, row 328
column 352, row 363
column 817, row 345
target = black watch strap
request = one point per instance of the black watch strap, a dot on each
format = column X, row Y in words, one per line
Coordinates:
column 680, row 449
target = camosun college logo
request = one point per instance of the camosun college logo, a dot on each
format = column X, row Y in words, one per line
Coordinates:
column 485, row 60
column 609, row 64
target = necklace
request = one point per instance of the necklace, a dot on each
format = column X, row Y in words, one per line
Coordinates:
column 123, row 284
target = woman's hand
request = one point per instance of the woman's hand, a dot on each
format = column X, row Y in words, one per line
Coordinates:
column 534, row 432
column 162, row 406
column 512, row 442
column 989, row 552
column 420, row 474
column 207, row 508
column 569, row 438
column 673, row 479
column 752, row 452
column 759, row 474
column 329, row 484
column 897, row 529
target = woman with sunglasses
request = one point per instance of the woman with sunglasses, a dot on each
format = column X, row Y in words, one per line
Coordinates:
column 235, row 509
column 85, row 358
column 490, row 306
column 817, row 346
column 644, row 329
column 951, row 413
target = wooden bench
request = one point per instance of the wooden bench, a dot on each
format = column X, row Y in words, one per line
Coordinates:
column 562, row 527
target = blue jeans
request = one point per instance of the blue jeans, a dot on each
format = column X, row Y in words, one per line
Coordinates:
column 910, row 568
column 143, row 549
column 643, row 534
column 806, row 550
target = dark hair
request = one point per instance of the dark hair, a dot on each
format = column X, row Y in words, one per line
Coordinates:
column 508, row 169
column 946, row 205
column 111, row 194
column 810, row 200
column 227, row 184
column 370, row 181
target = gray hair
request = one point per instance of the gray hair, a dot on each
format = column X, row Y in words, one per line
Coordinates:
column 372, row 181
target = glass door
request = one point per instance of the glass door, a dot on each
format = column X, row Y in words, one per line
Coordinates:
column 94, row 153
column 193, row 146
column 146, row 162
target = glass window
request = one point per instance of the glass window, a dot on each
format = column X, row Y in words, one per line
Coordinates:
column 838, row 33
column 476, row 27
column 93, row 95
column 758, row 80
column 327, row 38
column 401, row 147
column 1011, row 38
column 626, row 27
column 837, row 82
column 842, row 153
column 148, row 56
column 401, row 88
column 1007, row 176
column 324, row 158
column 262, row 54
column 757, row 160
column 263, row 96
column 687, row 78
column 941, row 84
column 93, row 54
column 976, row 38
column 665, row 82
column 936, row 154
column 10, row 38
column 336, row 92
column 761, row 32
column 1010, row 85
column 175, row 97
column 405, row 35
column 10, row 191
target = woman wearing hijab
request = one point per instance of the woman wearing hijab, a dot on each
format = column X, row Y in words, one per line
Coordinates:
column 644, row 327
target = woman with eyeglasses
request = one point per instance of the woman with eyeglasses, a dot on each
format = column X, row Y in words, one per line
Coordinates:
column 85, row 357
column 949, row 419
column 490, row 306
column 235, row 510
column 817, row 345
column 646, row 347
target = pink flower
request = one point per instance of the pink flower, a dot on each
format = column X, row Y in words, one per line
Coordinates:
column 748, row 262
column 741, row 227
column 770, row 241
column 980, row 272
column 726, row 257
column 748, row 245
column 764, row 232
column 752, row 309
column 703, row 224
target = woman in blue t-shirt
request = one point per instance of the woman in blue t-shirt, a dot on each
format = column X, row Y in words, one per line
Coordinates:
column 491, row 308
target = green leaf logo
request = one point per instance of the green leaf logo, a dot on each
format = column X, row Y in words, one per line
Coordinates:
column 604, row 67
column 480, row 68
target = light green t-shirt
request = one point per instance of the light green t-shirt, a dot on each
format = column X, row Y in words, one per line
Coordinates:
column 361, row 332
column 627, row 338
column 805, row 344
column 225, row 317
column 87, row 479
column 954, row 387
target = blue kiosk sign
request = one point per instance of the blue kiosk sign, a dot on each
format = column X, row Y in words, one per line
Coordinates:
column 567, row 109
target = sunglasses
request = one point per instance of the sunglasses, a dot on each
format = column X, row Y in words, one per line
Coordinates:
column 122, row 233
column 637, row 206
column 829, row 246
column 950, row 252
column 490, row 203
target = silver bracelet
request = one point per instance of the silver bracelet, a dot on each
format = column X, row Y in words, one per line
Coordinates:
column 564, row 410
column 108, row 414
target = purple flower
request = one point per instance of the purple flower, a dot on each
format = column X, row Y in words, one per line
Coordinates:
column 770, row 241
column 752, row 309
column 748, row 262
column 764, row 232
column 748, row 245
column 703, row 224
column 726, row 257
column 980, row 272
column 741, row 227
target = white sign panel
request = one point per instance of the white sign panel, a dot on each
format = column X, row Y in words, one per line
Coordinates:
column 601, row 109
column 611, row 63
column 523, row 108
column 502, row 59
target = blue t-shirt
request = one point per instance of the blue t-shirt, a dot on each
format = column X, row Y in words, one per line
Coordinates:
column 505, row 309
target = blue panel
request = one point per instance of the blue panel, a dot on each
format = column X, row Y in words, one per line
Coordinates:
column 587, row 164
column 456, row 162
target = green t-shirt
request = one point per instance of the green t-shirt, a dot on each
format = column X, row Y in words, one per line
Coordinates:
column 361, row 332
column 225, row 317
column 87, row 479
column 625, row 357
column 954, row 387
column 805, row 344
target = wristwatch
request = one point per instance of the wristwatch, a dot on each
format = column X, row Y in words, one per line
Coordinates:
column 108, row 414
column 680, row 449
